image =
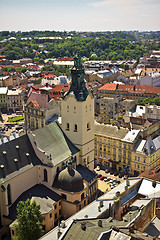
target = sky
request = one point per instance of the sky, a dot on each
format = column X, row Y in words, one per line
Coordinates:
column 79, row 15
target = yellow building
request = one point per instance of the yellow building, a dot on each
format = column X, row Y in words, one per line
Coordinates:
column 145, row 155
column 113, row 145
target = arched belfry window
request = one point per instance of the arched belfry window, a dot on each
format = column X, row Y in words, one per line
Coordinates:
column 9, row 194
column 45, row 176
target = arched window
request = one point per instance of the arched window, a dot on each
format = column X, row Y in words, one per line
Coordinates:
column 45, row 175
column 9, row 194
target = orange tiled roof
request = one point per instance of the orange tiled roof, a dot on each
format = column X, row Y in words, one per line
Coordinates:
column 139, row 89
column 50, row 75
column 108, row 86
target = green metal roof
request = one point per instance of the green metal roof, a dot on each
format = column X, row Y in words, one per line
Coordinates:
column 54, row 143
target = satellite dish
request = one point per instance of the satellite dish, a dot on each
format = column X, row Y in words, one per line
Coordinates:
column 154, row 184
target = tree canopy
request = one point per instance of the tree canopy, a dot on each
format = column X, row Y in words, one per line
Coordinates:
column 151, row 101
column 29, row 220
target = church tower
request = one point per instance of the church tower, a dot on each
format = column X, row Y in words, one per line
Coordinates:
column 77, row 113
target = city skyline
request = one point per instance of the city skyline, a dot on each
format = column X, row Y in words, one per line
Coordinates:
column 84, row 15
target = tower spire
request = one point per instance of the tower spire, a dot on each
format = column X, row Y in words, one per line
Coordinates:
column 78, row 86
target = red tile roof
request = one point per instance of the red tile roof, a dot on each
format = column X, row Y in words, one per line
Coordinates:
column 139, row 89
column 50, row 75
column 108, row 86
column 130, row 88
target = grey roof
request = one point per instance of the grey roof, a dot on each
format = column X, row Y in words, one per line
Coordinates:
column 148, row 146
column 13, row 158
column 52, row 140
column 110, row 131
column 41, row 194
column 154, row 227
column 92, row 230
column 86, row 174
column 92, row 209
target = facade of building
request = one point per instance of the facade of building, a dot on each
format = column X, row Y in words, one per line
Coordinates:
column 38, row 109
column 3, row 97
column 113, row 108
column 146, row 155
column 15, row 99
column 114, row 145
column 152, row 111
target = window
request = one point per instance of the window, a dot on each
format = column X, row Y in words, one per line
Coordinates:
column 64, row 196
column 50, row 215
column 55, row 206
column 9, row 194
column 60, row 212
column 82, row 196
column 75, row 127
column 55, row 215
column 80, row 207
column 88, row 126
column 60, row 203
column 45, row 176
column 67, row 127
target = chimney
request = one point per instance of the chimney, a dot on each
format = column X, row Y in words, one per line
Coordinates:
column 100, row 223
column 83, row 225
column 101, row 204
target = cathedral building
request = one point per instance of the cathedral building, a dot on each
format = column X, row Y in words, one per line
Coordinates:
column 53, row 164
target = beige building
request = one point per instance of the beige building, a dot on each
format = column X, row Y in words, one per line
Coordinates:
column 15, row 99
column 112, row 108
column 152, row 111
column 38, row 109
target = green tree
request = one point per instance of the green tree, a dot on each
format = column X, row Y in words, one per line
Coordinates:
column 29, row 220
